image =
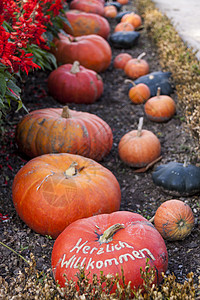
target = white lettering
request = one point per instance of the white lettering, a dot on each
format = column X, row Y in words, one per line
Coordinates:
column 109, row 262
column 107, row 248
column 99, row 264
column 101, row 250
column 137, row 254
column 77, row 246
column 85, row 249
column 93, row 249
column 76, row 263
column 117, row 247
column 125, row 257
column 148, row 252
column 124, row 244
column 67, row 262
column 90, row 264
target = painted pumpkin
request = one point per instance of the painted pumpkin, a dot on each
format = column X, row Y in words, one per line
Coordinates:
column 124, row 26
column 92, row 51
column 138, row 148
column 82, row 23
column 88, row 6
column 106, row 243
column 160, row 108
column 132, row 18
column 53, row 190
column 179, row 177
column 120, row 60
column 174, row 220
column 75, row 84
column 136, row 67
column 61, row 130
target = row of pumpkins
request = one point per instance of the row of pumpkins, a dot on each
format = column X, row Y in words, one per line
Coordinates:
column 63, row 191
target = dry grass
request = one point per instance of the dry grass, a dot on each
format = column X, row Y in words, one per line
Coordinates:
column 33, row 285
column 177, row 58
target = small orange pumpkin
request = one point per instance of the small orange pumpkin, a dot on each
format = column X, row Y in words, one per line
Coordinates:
column 132, row 18
column 120, row 60
column 110, row 11
column 160, row 108
column 124, row 26
column 136, row 67
column 123, row 2
column 174, row 220
column 139, row 93
column 138, row 148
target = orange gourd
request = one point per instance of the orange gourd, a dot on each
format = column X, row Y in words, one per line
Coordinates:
column 138, row 148
column 136, row 67
column 53, row 190
column 88, row 6
column 120, row 60
column 174, row 220
column 82, row 23
column 92, row 51
column 124, row 26
column 61, row 130
column 132, row 18
column 110, row 11
column 123, row 2
column 138, row 93
column 160, row 108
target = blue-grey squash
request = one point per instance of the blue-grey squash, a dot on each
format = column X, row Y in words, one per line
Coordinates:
column 124, row 39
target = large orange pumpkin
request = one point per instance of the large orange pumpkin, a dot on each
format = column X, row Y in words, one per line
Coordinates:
column 89, row 6
column 109, row 243
column 82, row 23
column 75, row 84
column 57, row 130
column 138, row 148
column 53, row 190
column 92, row 51
column 174, row 220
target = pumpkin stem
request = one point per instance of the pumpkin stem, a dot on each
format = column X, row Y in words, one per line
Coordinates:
column 185, row 163
column 139, row 131
column 152, row 219
column 65, row 113
column 130, row 81
column 141, row 55
column 72, row 170
column 75, row 67
column 158, row 92
column 106, row 237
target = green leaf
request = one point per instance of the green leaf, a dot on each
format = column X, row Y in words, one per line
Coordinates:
column 2, row 85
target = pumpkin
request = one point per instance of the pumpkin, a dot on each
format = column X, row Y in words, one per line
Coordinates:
column 179, row 177
column 120, row 60
column 139, row 93
column 124, row 39
column 75, row 84
column 89, row 6
column 125, row 26
column 123, row 2
column 81, row 23
column 136, row 67
column 160, row 108
column 116, row 4
column 110, row 11
column 92, row 51
column 132, row 18
column 53, row 190
column 138, row 148
column 174, row 220
column 155, row 80
column 107, row 243
column 57, row 130
column 121, row 14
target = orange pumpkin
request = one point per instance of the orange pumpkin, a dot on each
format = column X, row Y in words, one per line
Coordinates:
column 57, row 130
column 120, row 60
column 53, row 190
column 138, row 148
column 92, row 51
column 110, row 11
column 160, row 108
column 136, row 67
column 124, row 26
column 174, row 220
column 123, row 2
column 139, row 93
column 89, row 6
column 132, row 18
column 82, row 23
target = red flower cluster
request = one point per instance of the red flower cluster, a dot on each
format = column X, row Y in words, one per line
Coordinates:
column 22, row 23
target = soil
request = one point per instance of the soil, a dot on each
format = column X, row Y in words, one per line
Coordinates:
column 139, row 193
